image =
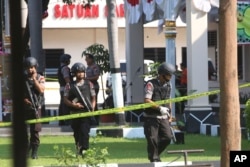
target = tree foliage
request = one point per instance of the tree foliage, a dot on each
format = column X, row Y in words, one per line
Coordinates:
column 101, row 55
column 154, row 70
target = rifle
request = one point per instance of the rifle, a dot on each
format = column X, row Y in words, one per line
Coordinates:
column 87, row 105
column 35, row 105
column 172, row 131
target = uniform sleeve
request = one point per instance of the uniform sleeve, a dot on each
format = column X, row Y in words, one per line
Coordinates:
column 92, row 89
column 66, row 92
column 149, row 88
column 65, row 72
column 41, row 80
column 96, row 70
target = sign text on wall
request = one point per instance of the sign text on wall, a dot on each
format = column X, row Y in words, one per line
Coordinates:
column 77, row 10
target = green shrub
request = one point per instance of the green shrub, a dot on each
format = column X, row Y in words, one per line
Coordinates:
column 247, row 115
column 243, row 97
column 65, row 156
column 92, row 157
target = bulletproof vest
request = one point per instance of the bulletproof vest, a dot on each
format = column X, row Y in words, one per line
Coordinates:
column 38, row 99
column 85, row 92
column 159, row 93
column 60, row 76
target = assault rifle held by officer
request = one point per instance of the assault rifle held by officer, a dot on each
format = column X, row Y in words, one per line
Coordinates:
column 82, row 99
column 78, row 98
column 33, row 101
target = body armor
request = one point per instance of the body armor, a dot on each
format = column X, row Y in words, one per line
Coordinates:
column 160, row 93
column 85, row 91
column 36, row 93
column 60, row 76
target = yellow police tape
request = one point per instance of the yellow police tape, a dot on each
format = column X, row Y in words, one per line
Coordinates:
column 120, row 109
column 51, row 79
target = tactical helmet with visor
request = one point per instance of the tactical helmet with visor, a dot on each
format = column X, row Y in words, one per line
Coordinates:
column 77, row 67
column 166, row 69
column 30, row 62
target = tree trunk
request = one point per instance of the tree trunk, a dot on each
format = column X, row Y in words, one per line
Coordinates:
column 229, row 106
column 114, row 60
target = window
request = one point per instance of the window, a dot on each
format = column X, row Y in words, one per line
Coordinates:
column 52, row 62
column 212, row 38
column 155, row 54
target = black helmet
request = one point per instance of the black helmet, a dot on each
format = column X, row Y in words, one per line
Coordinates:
column 65, row 58
column 88, row 55
column 77, row 67
column 166, row 68
column 30, row 62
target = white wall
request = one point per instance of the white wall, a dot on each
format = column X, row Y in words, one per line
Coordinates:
column 74, row 35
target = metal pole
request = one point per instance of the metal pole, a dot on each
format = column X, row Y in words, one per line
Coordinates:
column 170, row 35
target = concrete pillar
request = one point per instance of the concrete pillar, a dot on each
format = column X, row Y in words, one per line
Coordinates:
column 197, row 65
column 170, row 35
column 134, row 62
column 35, row 26
column 135, row 58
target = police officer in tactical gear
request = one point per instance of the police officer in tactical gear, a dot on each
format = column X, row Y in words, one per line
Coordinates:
column 80, row 89
column 92, row 74
column 158, row 117
column 33, row 101
column 64, row 79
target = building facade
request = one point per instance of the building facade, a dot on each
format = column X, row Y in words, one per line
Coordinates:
column 71, row 29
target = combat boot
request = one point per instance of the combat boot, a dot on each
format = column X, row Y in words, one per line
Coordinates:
column 34, row 152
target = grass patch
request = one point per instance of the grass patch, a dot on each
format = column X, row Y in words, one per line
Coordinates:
column 121, row 150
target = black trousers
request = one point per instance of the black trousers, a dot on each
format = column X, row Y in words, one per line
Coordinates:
column 158, row 135
column 34, row 129
column 81, row 129
column 34, row 136
column 63, row 110
column 96, row 106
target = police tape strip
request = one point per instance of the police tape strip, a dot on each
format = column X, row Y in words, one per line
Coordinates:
column 51, row 79
column 120, row 109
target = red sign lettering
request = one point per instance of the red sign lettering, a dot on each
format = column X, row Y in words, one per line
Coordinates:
column 95, row 11
column 57, row 12
column 69, row 11
column 79, row 11
column 121, row 9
